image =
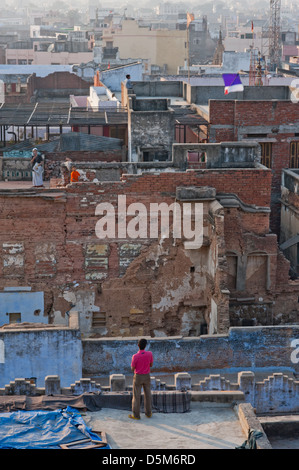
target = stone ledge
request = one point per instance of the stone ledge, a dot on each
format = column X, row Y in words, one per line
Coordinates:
column 225, row 396
column 249, row 420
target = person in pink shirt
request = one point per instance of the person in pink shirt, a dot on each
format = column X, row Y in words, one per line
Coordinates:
column 140, row 365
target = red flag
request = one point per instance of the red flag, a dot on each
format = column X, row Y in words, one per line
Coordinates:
column 109, row 66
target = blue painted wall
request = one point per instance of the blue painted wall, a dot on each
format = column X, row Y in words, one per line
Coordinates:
column 112, row 78
column 40, row 352
column 18, row 154
column 243, row 348
column 25, row 303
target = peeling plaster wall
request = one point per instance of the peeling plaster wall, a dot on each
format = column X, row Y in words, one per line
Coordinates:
column 152, row 129
column 38, row 352
column 166, row 289
column 250, row 348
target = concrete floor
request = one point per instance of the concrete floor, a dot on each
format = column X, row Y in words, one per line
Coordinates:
column 284, row 443
column 206, row 426
column 285, row 433
column 19, row 185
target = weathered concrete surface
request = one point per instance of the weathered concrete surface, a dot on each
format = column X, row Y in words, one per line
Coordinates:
column 282, row 431
column 248, row 348
column 19, row 185
column 38, row 352
column 206, row 426
column 284, row 442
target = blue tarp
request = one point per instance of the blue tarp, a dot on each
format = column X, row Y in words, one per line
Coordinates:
column 43, row 429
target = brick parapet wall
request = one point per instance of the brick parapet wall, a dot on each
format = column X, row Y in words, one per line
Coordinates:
column 253, row 186
column 253, row 113
column 58, row 80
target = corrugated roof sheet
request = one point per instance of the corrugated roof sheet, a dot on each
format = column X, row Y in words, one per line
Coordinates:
column 56, row 114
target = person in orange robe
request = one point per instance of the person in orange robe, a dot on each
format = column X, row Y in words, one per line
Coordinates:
column 75, row 175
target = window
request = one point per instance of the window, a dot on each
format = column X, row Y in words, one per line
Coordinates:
column 14, row 317
column 266, row 154
column 98, row 319
column 154, row 156
column 294, row 155
column 257, row 136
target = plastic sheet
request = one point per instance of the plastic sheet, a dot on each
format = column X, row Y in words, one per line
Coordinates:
column 43, row 429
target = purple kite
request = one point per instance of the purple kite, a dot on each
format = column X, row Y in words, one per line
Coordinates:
column 232, row 83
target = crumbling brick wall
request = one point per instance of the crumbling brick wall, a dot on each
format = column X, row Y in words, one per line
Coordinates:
column 125, row 286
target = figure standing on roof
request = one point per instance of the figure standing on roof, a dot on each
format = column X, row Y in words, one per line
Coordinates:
column 128, row 82
column 75, row 175
column 140, row 365
column 37, row 175
column 36, row 157
column 37, row 169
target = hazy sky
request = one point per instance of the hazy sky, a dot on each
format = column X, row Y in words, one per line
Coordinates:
column 207, row 7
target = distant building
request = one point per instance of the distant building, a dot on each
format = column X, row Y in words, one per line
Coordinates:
column 170, row 9
column 201, row 45
column 242, row 37
column 73, row 48
column 164, row 48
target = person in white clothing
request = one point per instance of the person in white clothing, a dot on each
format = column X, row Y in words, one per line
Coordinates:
column 37, row 175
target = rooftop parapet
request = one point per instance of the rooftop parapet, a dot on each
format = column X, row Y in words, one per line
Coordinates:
column 221, row 155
